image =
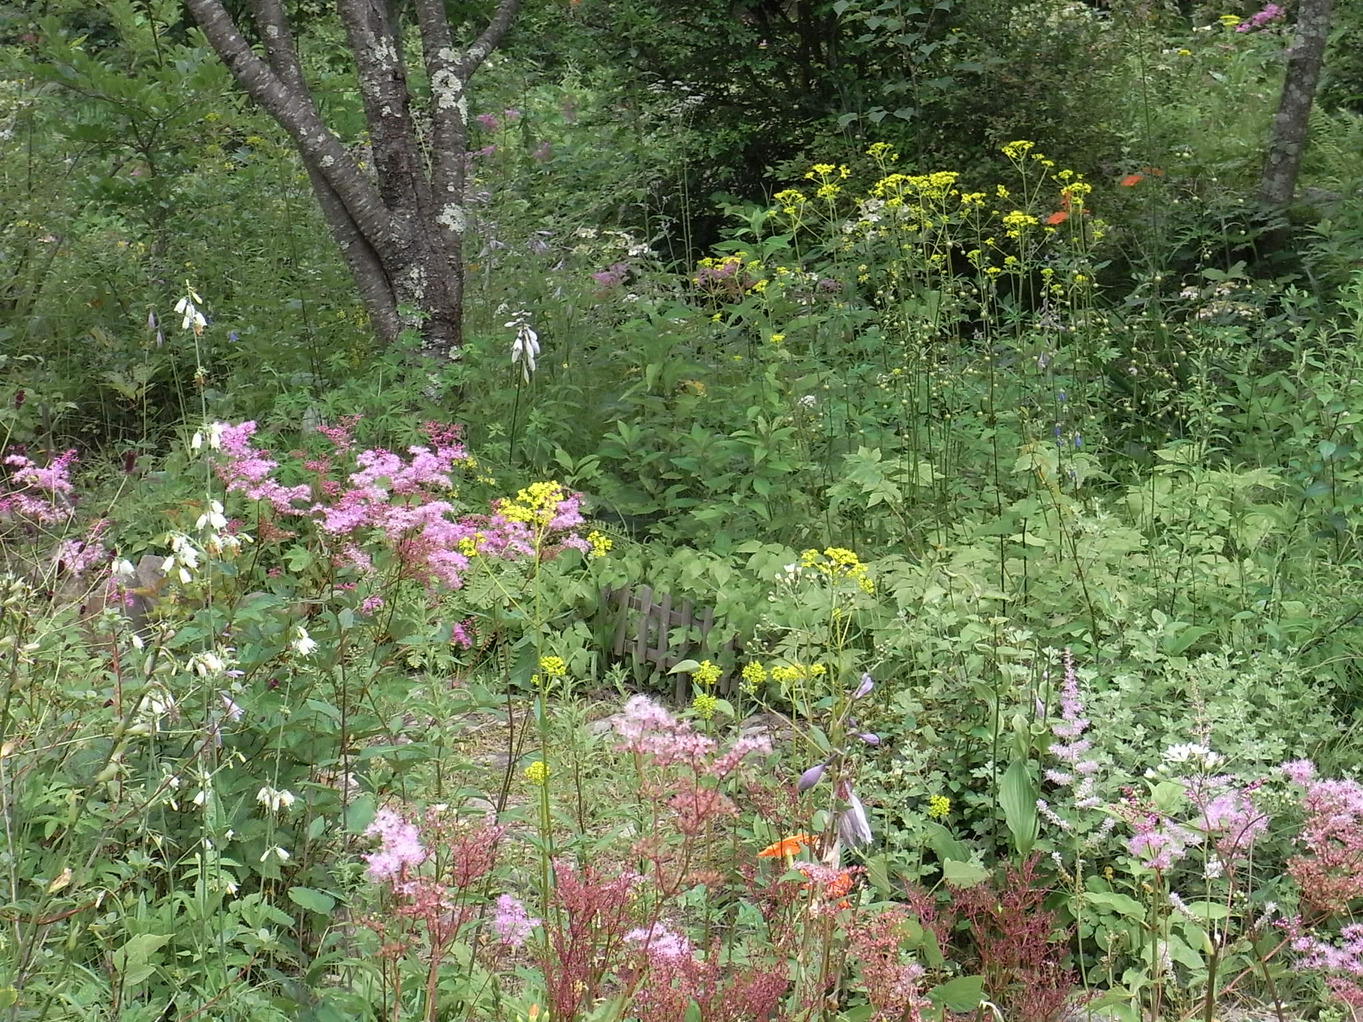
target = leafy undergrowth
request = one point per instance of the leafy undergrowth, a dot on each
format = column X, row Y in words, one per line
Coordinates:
column 342, row 755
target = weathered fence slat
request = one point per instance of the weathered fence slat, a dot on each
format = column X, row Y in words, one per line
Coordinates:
column 662, row 636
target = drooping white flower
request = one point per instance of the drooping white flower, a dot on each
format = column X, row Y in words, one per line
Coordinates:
column 525, row 349
column 303, row 643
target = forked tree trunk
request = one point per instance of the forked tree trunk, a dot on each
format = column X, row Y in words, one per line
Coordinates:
column 401, row 237
column 1288, row 140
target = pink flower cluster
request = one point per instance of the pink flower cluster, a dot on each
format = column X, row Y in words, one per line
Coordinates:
column 40, row 495
column 647, row 729
column 399, row 499
column 1329, row 869
column 1270, row 13
column 399, row 847
column 1342, row 963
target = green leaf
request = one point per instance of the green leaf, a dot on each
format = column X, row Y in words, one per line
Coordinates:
column 961, row 994
column 963, row 874
column 1122, row 904
column 1207, row 909
column 693, row 1013
column 312, row 900
column 941, row 842
column 878, row 872
column 133, row 959
column 685, row 667
column 1017, row 798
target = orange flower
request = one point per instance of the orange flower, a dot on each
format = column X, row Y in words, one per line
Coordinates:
column 786, row 847
column 1057, row 218
column 1131, row 179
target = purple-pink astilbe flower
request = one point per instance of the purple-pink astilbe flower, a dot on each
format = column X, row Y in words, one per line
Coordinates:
column 1076, row 780
column 1329, row 869
column 512, row 923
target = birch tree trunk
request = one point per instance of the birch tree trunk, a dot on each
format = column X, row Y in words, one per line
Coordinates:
column 402, row 235
column 1288, row 140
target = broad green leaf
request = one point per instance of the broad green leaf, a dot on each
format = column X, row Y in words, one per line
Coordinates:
column 312, row 900
column 961, row 994
column 878, row 872
column 1122, row 904
column 1017, row 798
column 963, row 874
column 133, row 960
column 1207, row 909
column 941, row 842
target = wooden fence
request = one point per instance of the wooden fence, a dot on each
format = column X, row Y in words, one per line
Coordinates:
column 652, row 631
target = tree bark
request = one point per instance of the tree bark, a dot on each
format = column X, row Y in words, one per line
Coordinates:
column 1288, row 139
column 402, row 237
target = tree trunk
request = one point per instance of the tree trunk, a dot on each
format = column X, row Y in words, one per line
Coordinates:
column 1288, row 139
column 401, row 238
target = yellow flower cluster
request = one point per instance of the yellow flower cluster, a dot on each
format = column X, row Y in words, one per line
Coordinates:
column 537, row 773
column 784, row 674
column 704, row 704
column 706, row 674
column 535, row 505
column 826, row 174
column 553, row 666
column 1017, row 221
column 838, row 563
column 601, row 543
column 932, row 187
column 938, row 807
column 754, row 676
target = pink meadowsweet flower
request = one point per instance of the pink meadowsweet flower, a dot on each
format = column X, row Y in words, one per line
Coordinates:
column 399, row 847
column 511, row 923
column 1299, row 771
column 649, row 730
column 657, row 941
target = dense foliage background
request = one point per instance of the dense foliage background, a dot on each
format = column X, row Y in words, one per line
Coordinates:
column 941, row 344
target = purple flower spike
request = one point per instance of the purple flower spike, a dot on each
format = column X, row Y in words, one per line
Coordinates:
column 811, row 777
column 864, row 689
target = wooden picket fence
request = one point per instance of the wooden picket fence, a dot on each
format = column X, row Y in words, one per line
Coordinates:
column 652, row 630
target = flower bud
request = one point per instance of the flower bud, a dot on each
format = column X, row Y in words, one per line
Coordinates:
column 811, row 777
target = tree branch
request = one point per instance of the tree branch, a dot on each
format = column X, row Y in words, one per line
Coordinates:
column 490, row 39
column 321, row 151
column 374, row 42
